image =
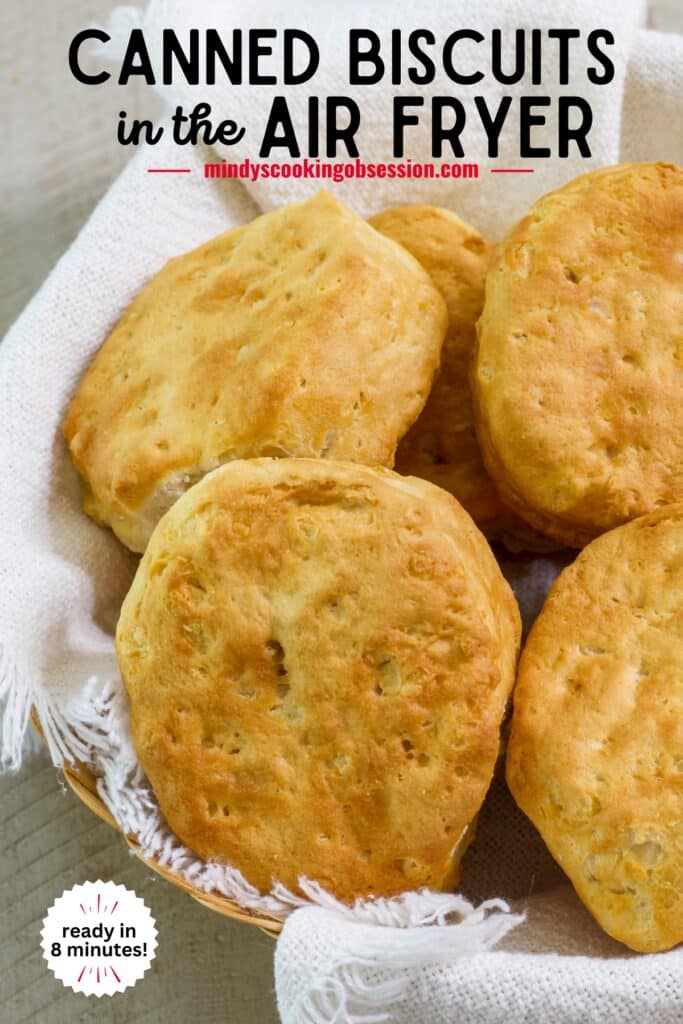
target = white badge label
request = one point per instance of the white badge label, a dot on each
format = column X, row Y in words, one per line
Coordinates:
column 98, row 938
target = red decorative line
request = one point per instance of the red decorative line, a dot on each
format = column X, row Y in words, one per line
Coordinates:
column 114, row 907
column 82, row 972
column 115, row 975
column 169, row 170
column 98, row 975
column 98, row 903
column 82, row 907
column 511, row 170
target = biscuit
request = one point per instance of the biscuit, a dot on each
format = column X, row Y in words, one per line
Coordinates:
column 303, row 333
column 318, row 657
column 441, row 446
column 578, row 375
column 595, row 757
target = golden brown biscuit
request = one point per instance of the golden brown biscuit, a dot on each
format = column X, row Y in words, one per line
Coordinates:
column 579, row 371
column 317, row 656
column 441, row 446
column 595, row 757
column 303, row 333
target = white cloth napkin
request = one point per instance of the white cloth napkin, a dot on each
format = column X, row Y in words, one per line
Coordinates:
column 63, row 578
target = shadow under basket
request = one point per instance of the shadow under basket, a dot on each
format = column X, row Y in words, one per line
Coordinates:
column 83, row 783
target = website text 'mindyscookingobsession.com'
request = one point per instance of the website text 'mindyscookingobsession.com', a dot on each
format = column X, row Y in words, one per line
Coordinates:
column 338, row 171
column 250, row 170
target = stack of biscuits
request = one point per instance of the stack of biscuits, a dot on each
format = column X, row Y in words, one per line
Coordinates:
column 312, row 428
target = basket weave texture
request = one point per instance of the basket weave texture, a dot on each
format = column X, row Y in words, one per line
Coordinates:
column 83, row 783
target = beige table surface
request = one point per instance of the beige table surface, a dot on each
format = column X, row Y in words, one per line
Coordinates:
column 207, row 969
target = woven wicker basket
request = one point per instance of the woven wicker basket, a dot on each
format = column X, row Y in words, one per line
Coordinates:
column 82, row 782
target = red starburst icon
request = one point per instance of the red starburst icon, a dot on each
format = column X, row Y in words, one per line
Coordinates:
column 98, row 938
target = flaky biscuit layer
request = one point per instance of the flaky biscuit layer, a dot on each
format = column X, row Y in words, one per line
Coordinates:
column 441, row 446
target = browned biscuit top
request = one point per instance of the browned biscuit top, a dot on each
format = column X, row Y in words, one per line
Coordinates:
column 318, row 657
column 441, row 446
column 303, row 333
column 579, row 372
column 595, row 757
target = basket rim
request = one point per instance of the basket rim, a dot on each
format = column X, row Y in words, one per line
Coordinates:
column 83, row 783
